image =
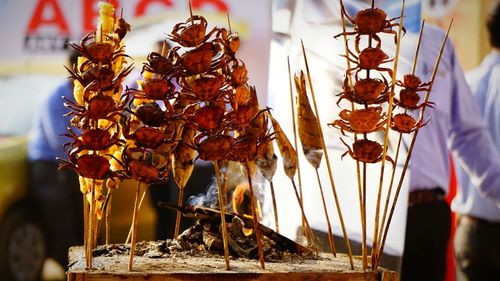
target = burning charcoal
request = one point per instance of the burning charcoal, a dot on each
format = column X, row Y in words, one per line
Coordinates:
column 190, row 236
column 173, row 246
column 212, row 241
column 241, row 245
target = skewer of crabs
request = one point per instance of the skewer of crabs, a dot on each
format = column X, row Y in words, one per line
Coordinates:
column 365, row 92
column 96, row 111
column 252, row 146
column 152, row 133
column 201, row 59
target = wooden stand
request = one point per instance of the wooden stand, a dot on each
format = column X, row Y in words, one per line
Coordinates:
column 203, row 268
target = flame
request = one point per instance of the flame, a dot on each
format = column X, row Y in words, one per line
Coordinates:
column 240, row 202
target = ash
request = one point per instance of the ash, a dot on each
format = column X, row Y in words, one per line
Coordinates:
column 204, row 239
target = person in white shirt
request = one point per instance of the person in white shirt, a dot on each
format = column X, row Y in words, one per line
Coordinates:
column 477, row 247
column 456, row 126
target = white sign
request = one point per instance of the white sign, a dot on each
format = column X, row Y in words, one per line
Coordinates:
column 35, row 32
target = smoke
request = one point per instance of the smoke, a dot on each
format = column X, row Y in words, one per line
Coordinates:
column 233, row 174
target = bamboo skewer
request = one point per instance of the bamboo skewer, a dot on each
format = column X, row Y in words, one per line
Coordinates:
column 275, row 209
column 328, row 224
column 134, row 225
column 412, row 144
column 222, row 206
column 258, row 235
column 86, row 209
column 90, row 231
column 108, row 216
column 143, row 196
column 290, row 163
column 362, row 199
column 337, row 203
column 375, row 247
column 306, row 229
column 95, row 227
column 191, row 12
column 389, row 192
column 180, row 200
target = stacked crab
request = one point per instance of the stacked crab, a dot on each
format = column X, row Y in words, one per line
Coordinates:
column 224, row 109
column 368, row 93
column 150, row 130
column 409, row 100
column 96, row 111
column 371, row 92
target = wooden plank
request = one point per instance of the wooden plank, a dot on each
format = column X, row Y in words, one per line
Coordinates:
column 179, row 267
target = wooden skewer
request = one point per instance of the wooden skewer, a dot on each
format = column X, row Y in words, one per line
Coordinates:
column 412, row 144
column 191, row 12
column 180, row 200
column 164, row 48
column 375, row 247
column 295, row 143
column 362, row 198
column 134, row 224
column 90, row 237
column 139, row 208
column 229, row 23
column 389, row 192
column 222, row 206
column 258, row 235
column 95, row 230
column 86, row 226
column 275, row 209
column 337, row 203
column 108, row 216
column 329, row 227
column 308, row 230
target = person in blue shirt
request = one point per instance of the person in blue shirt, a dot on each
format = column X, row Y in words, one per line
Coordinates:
column 55, row 191
column 477, row 244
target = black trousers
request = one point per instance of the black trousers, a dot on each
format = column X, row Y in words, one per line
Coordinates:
column 57, row 194
column 477, row 250
column 426, row 243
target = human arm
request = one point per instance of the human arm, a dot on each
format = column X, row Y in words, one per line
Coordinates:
column 469, row 139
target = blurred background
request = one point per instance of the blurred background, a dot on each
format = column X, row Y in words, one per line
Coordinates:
column 34, row 35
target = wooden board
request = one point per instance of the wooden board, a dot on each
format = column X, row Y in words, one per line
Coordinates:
column 190, row 268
